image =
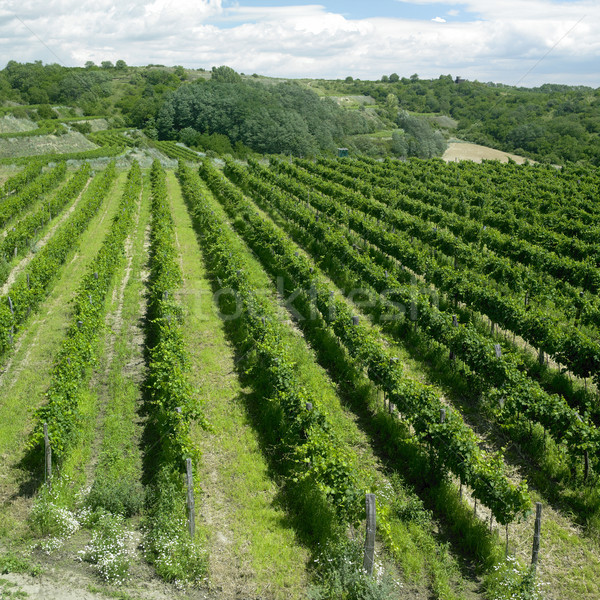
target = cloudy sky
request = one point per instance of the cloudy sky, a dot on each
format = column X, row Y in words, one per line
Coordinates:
column 518, row 42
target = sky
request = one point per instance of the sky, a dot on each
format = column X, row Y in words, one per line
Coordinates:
column 516, row 42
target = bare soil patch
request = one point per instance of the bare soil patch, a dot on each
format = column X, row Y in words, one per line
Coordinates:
column 466, row 151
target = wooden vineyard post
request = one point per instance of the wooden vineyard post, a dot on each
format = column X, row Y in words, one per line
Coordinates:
column 536, row 535
column 369, row 558
column 506, row 548
column 48, row 458
column 189, row 476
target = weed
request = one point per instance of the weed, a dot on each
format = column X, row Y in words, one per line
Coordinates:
column 511, row 581
column 340, row 574
column 109, row 548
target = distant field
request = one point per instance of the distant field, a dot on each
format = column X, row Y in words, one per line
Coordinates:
column 467, row 151
column 9, row 124
column 44, row 144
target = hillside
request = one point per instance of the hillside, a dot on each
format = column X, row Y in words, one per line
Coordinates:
column 212, row 357
column 554, row 124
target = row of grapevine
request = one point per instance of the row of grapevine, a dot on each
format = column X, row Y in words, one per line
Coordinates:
column 26, row 229
column 309, row 449
column 515, row 394
column 104, row 152
column 27, row 293
column 111, row 137
column 20, row 201
column 171, row 404
column 572, row 301
column 578, row 273
column 542, row 205
column 454, row 443
column 177, row 151
column 78, row 350
column 567, row 344
column 28, row 174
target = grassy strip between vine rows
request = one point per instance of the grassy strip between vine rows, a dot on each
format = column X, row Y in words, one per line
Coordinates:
column 171, row 406
column 27, row 293
column 78, row 350
column 25, row 231
column 511, row 393
column 454, row 443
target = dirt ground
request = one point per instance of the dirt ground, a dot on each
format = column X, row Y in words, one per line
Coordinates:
column 467, row 151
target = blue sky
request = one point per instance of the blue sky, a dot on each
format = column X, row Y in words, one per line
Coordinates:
column 525, row 42
column 372, row 8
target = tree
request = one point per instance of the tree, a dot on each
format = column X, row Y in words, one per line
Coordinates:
column 90, row 64
column 394, row 77
column 225, row 74
column 349, row 79
column 179, row 71
column 391, row 106
column 385, row 78
column 120, row 64
column 106, row 64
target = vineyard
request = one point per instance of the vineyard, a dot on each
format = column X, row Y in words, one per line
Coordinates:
column 219, row 379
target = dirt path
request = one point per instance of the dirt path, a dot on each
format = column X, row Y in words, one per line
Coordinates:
column 42, row 242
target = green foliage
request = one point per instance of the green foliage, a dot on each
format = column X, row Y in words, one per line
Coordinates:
column 552, row 123
column 110, row 550
column 25, row 231
column 419, row 138
column 284, row 118
column 509, row 580
column 123, row 496
column 171, row 405
column 167, row 544
column 31, row 192
column 13, row 563
column 453, row 442
column 78, row 350
column 339, row 574
column 28, row 174
column 84, row 127
column 225, row 74
column 309, row 449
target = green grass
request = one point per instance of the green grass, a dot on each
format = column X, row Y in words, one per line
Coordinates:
column 23, row 384
column 117, row 478
column 261, row 540
column 425, row 564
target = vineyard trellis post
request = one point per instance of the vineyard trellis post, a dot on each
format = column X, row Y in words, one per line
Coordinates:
column 47, row 458
column 189, row 476
column 369, row 557
column 536, row 535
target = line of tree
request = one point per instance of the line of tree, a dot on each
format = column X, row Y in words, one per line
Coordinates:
column 283, row 118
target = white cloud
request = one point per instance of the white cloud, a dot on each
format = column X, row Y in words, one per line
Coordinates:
column 502, row 43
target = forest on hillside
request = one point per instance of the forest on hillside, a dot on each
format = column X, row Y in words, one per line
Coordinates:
column 552, row 123
column 225, row 111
